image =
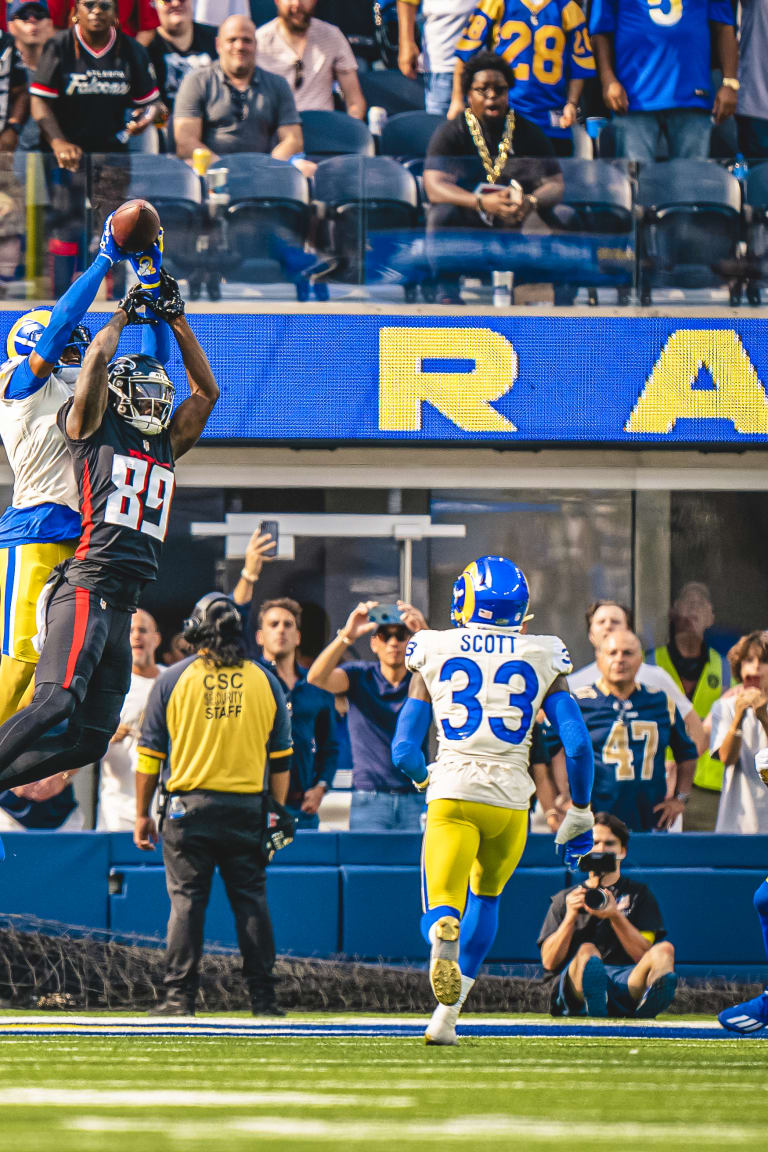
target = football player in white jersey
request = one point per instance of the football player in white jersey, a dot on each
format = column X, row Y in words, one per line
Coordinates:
column 484, row 680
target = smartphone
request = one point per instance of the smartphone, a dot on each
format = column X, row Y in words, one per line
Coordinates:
column 385, row 614
column 270, row 528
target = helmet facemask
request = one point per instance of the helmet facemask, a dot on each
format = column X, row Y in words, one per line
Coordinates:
column 141, row 393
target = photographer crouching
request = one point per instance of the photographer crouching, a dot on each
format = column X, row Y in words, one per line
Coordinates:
column 222, row 724
column 605, row 938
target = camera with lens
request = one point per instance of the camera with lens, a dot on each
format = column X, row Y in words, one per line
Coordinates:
column 600, row 864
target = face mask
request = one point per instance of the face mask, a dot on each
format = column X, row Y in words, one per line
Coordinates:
column 68, row 374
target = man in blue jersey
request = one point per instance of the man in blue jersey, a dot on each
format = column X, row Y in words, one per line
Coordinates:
column 653, row 59
column 631, row 727
column 546, row 44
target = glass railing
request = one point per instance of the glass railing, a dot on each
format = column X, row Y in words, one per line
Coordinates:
column 363, row 229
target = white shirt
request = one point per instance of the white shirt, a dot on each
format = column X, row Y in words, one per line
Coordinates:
column 443, row 21
column 37, row 452
column 744, row 800
column 117, row 779
column 215, row 12
column 326, row 54
column 649, row 675
column 486, row 685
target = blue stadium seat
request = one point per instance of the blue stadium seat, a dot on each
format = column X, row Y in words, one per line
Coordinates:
column 335, row 134
column 176, row 192
column 691, row 220
column 408, row 134
column 367, row 215
column 267, row 219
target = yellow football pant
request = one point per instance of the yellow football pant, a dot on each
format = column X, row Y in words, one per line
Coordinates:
column 17, row 684
column 466, row 843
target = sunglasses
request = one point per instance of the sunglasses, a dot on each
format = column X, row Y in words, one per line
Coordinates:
column 100, row 5
column 491, row 89
column 387, row 634
column 33, row 14
column 298, row 75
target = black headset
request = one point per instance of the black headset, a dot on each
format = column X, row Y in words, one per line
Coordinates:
column 215, row 609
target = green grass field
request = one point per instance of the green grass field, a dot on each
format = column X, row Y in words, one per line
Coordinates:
column 191, row 1093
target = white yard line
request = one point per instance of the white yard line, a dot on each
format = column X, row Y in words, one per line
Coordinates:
column 187, row 1098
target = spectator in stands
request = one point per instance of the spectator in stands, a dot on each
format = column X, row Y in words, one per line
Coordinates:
column 14, row 97
column 137, row 18
column 259, row 550
column 177, row 649
column 30, row 24
column 234, row 106
column 654, row 67
column 215, row 12
column 311, row 56
column 88, row 79
column 547, row 767
column 739, row 732
column 383, row 799
column 604, row 616
column 612, row 960
column 441, row 25
column 46, row 806
column 552, row 58
column 180, row 45
column 313, row 714
column 702, row 673
column 752, row 118
column 491, row 143
column 117, row 777
column 631, row 727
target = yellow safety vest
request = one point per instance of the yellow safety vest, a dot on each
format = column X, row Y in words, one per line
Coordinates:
column 709, row 772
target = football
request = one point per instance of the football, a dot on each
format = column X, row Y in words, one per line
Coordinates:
column 135, row 225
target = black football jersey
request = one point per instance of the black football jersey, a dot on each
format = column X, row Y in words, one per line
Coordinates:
column 90, row 92
column 125, row 480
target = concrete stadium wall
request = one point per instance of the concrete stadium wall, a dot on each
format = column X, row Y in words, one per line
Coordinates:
column 358, row 894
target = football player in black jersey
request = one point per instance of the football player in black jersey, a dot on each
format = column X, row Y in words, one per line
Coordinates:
column 124, row 443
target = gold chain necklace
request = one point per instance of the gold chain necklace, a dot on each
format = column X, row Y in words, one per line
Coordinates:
column 493, row 171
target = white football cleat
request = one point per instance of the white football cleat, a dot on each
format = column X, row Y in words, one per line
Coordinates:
column 444, row 971
column 442, row 1027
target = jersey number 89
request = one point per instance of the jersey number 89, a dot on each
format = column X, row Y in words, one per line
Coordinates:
column 467, row 698
column 140, row 486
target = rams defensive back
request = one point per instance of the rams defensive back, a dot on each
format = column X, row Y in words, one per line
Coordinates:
column 485, row 683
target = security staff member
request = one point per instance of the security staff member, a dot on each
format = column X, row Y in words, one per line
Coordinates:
column 217, row 726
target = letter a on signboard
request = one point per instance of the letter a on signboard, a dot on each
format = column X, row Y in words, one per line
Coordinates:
column 463, row 397
column 670, row 393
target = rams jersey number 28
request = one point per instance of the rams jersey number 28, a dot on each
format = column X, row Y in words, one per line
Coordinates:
column 486, row 685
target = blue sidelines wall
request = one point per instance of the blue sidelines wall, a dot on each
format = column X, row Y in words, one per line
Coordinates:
column 359, row 894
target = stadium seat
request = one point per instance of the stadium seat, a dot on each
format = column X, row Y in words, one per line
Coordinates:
column 408, row 134
column 387, row 88
column 176, row 192
column 691, row 220
column 597, row 200
column 267, row 219
column 756, row 216
column 335, row 134
column 367, row 215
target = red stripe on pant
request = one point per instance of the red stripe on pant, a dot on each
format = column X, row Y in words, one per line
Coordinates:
column 82, row 601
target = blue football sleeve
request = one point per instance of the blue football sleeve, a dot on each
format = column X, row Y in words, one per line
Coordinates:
column 563, row 712
column 412, row 727
column 156, row 340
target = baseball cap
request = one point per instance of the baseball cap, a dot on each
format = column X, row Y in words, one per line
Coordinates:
column 17, row 7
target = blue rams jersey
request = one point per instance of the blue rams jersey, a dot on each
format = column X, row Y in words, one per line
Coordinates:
column 661, row 49
column 629, row 739
column 545, row 42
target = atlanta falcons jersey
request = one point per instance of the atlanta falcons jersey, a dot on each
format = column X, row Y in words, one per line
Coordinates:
column 487, row 685
column 125, row 480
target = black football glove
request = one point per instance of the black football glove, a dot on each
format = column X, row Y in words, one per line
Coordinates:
column 168, row 305
column 278, row 829
column 138, row 297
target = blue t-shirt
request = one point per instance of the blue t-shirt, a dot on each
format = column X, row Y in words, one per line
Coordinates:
column 629, row 739
column 661, row 49
column 374, row 706
column 313, row 730
column 40, row 814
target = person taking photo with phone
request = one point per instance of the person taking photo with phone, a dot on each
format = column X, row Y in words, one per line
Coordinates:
column 604, row 939
column 382, row 798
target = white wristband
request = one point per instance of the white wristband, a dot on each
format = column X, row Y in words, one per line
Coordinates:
column 245, row 575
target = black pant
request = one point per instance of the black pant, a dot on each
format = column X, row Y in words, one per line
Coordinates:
column 224, row 829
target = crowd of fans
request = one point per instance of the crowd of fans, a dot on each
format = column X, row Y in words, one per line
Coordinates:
column 674, row 735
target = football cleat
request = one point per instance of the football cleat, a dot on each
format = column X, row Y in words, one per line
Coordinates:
column 594, row 986
column 444, row 971
column 442, row 1027
column 657, row 998
column 751, row 1016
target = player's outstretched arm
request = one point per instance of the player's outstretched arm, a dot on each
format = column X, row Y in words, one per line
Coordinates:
column 411, row 731
column 92, row 389
column 192, row 414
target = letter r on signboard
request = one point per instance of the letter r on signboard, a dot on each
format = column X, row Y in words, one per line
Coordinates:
column 464, row 397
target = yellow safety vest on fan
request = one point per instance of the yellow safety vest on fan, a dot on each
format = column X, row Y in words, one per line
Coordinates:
column 709, row 772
